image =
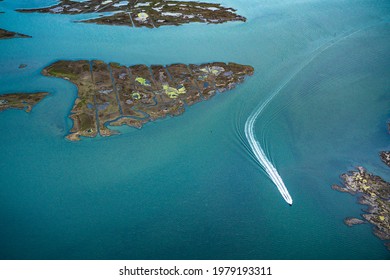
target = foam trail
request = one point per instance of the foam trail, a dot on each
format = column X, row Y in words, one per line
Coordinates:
column 261, row 157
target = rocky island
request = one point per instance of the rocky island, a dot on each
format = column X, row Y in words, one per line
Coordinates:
column 115, row 95
column 374, row 192
column 144, row 13
column 5, row 34
column 21, row 101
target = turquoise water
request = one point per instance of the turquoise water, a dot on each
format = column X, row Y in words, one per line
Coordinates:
column 185, row 187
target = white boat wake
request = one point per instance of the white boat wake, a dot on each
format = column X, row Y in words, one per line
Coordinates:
column 272, row 173
column 259, row 153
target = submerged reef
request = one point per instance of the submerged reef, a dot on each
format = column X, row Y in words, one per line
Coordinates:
column 144, row 13
column 115, row 95
column 5, row 34
column 374, row 192
column 21, row 101
column 350, row 221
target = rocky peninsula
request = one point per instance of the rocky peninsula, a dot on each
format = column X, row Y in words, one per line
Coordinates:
column 113, row 94
column 5, row 34
column 143, row 13
column 374, row 192
column 21, row 101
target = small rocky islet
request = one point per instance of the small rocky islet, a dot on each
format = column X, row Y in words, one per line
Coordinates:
column 115, row 95
column 385, row 157
column 144, row 13
column 5, row 34
column 21, row 101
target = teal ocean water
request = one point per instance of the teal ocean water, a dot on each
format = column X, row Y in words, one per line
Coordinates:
column 186, row 187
